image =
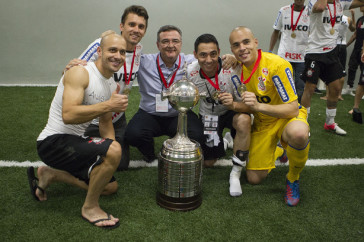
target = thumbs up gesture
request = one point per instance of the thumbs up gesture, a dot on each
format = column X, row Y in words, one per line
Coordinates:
column 118, row 102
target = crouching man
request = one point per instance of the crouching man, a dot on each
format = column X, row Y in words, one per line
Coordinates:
column 83, row 94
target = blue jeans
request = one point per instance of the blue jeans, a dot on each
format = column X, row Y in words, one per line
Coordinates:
column 298, row 68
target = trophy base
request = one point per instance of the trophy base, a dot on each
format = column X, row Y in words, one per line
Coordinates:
column 179, row 204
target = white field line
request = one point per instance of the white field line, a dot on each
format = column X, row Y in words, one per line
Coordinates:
column 139, row 163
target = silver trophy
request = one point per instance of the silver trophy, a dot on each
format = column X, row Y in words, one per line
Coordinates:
column 180, row 161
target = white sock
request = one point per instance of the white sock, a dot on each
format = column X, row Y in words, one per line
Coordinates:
column 235, row 187
column 308, row 111
column 330, row 116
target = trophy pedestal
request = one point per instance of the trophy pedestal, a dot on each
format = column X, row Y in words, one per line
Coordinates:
column 180, row 177
column 179, row 204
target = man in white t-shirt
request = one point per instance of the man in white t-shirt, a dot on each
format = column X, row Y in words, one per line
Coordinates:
column 346, row 24
column 293, row 24
column 221, row 108
column 321, row 60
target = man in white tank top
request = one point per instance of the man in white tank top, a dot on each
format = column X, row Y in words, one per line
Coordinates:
column 83, row 94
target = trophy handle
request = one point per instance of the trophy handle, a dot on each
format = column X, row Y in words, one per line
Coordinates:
column 165, row 95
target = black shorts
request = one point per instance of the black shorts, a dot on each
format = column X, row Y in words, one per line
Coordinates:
column 342, row 54
column 74, row 154
column 326, row 66
column 225, row 121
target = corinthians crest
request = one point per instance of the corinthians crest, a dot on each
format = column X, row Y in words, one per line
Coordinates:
column 261, row 83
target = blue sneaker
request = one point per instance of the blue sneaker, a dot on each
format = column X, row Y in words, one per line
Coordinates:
column 292, row 196
column 283, row 158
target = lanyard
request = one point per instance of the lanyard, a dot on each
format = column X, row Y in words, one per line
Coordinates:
column 127, row 80
column 215, row 85
column 254, row 69
column 294, row 26
column 162, row 76
column 332, row 19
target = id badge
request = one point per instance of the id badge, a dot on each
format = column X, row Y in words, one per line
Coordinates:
column 161, row 106
column 210, row 123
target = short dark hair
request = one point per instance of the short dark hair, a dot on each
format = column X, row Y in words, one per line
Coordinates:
column 205, row 38
column 167, row 28
column 138, row 10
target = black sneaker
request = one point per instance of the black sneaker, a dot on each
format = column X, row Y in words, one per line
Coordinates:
column 317, row 91
column 357, row 117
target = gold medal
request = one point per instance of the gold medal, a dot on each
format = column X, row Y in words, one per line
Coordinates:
column 241, row 89
column 332, row 31
column 215, row 95
column 126, row 91
column 293, row 35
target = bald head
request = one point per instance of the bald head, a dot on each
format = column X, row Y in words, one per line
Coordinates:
column 111, row 54
column 242, row 29
column 244, row 45
column 110, row 37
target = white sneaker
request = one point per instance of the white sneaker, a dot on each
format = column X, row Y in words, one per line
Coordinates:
column 154, row 163
column 335, row 128
column 347, row 90
column 234, row 181
column 229, row 140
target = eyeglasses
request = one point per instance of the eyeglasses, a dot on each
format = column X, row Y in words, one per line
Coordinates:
column 166, row 42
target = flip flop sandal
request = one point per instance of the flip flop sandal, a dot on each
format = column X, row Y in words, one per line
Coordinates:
column 33, row 183
column 103, row 219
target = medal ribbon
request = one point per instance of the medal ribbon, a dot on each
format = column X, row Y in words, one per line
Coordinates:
column 127, row 80
column 294, row 26
column 254, row 69
column 332, row 19
column 162, row 76
column 215, row 85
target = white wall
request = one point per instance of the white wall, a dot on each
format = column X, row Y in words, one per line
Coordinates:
column 39, row 37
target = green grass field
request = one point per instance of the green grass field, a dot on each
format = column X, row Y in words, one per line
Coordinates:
column 331, row 207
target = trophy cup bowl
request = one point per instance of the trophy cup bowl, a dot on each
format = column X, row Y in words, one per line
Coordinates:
column 182, row 95
column 180, row 161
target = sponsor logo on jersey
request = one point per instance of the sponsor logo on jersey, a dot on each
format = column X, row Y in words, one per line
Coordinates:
column 280, row 88
column 326, row 20
column 327, row 48
column 299, row 27
column 290, row 78
column 293, row 56
column 120, row 76
column 261, row 83
column 265, row 71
